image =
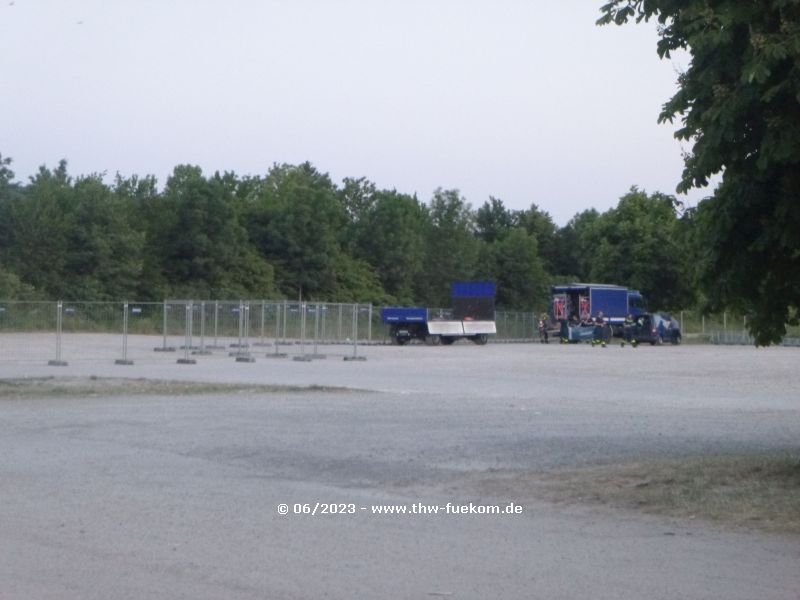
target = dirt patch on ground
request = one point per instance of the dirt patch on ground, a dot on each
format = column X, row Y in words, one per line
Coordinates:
column 760, row 492
column 49, row 387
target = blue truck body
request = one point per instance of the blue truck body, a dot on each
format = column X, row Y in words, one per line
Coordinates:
column 612, row 302
column 586, row 300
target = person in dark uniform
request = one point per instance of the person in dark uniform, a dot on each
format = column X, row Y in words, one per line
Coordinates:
column 628, row 331
column 543, row 336
column 600, row 332
column 564, row 332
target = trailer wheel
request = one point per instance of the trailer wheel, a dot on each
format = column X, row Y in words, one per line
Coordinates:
column 480, row 339
column 432, row 340
column 446, row 340
column 397, row 339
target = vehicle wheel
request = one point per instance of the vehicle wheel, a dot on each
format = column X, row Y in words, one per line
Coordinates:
column 432, row 340
column 401, row 341
column 446, row 340
column 480, row 339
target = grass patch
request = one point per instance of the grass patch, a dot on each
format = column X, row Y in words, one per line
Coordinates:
column 63, row 387
column 758, row 491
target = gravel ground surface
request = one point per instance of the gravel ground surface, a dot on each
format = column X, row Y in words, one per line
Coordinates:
column 114, row 495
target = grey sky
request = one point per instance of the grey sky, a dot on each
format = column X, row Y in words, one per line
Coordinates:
column 527, row 101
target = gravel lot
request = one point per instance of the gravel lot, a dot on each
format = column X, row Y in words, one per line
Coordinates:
column 171, row 496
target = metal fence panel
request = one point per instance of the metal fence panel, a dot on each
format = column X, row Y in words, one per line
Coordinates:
column 26, row 329
column 187, row 330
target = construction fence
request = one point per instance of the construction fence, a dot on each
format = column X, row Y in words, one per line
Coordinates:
column 179, row 330
column 184, row 330
column 725, row 328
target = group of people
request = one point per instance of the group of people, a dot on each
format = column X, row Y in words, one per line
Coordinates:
column 597, row 329
column 576, row 328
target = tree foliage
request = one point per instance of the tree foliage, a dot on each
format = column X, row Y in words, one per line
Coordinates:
column 493, row 220
column 198, row 245
column 739, row 105
column 517, row 269
column 296, row 226
column 540, row 225
column 294, row 231
column 450, row 244
column 390, row 236
column 574, row 251
column 639, row 244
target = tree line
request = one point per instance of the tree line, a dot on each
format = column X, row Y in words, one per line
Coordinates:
column 295, row 233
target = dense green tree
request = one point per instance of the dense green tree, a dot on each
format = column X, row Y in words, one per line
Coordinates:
column 513, row 263
column 296, row 224
column 6, row 174
column 11, row 288
column 638, row 244
column 541, row 226
column 357, row 197
column 493, row 220
column 138, row 193
column 71, row 239
column 140, row 198
column 739, row 105
column 391, row 237
column 451, row 247
column 103, row 254
column 357, row 281
column 575, row 248
column 35, row 231
column 200, row 248
column 9, row 282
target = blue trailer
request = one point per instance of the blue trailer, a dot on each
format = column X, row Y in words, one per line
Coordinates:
column 472, row 318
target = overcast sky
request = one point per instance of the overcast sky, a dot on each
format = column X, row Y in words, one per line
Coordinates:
column 524, row 100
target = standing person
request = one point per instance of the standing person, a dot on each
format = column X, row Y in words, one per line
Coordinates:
column 543, row 322
column 564, row 333
column 600, row 332
column 628, row 331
